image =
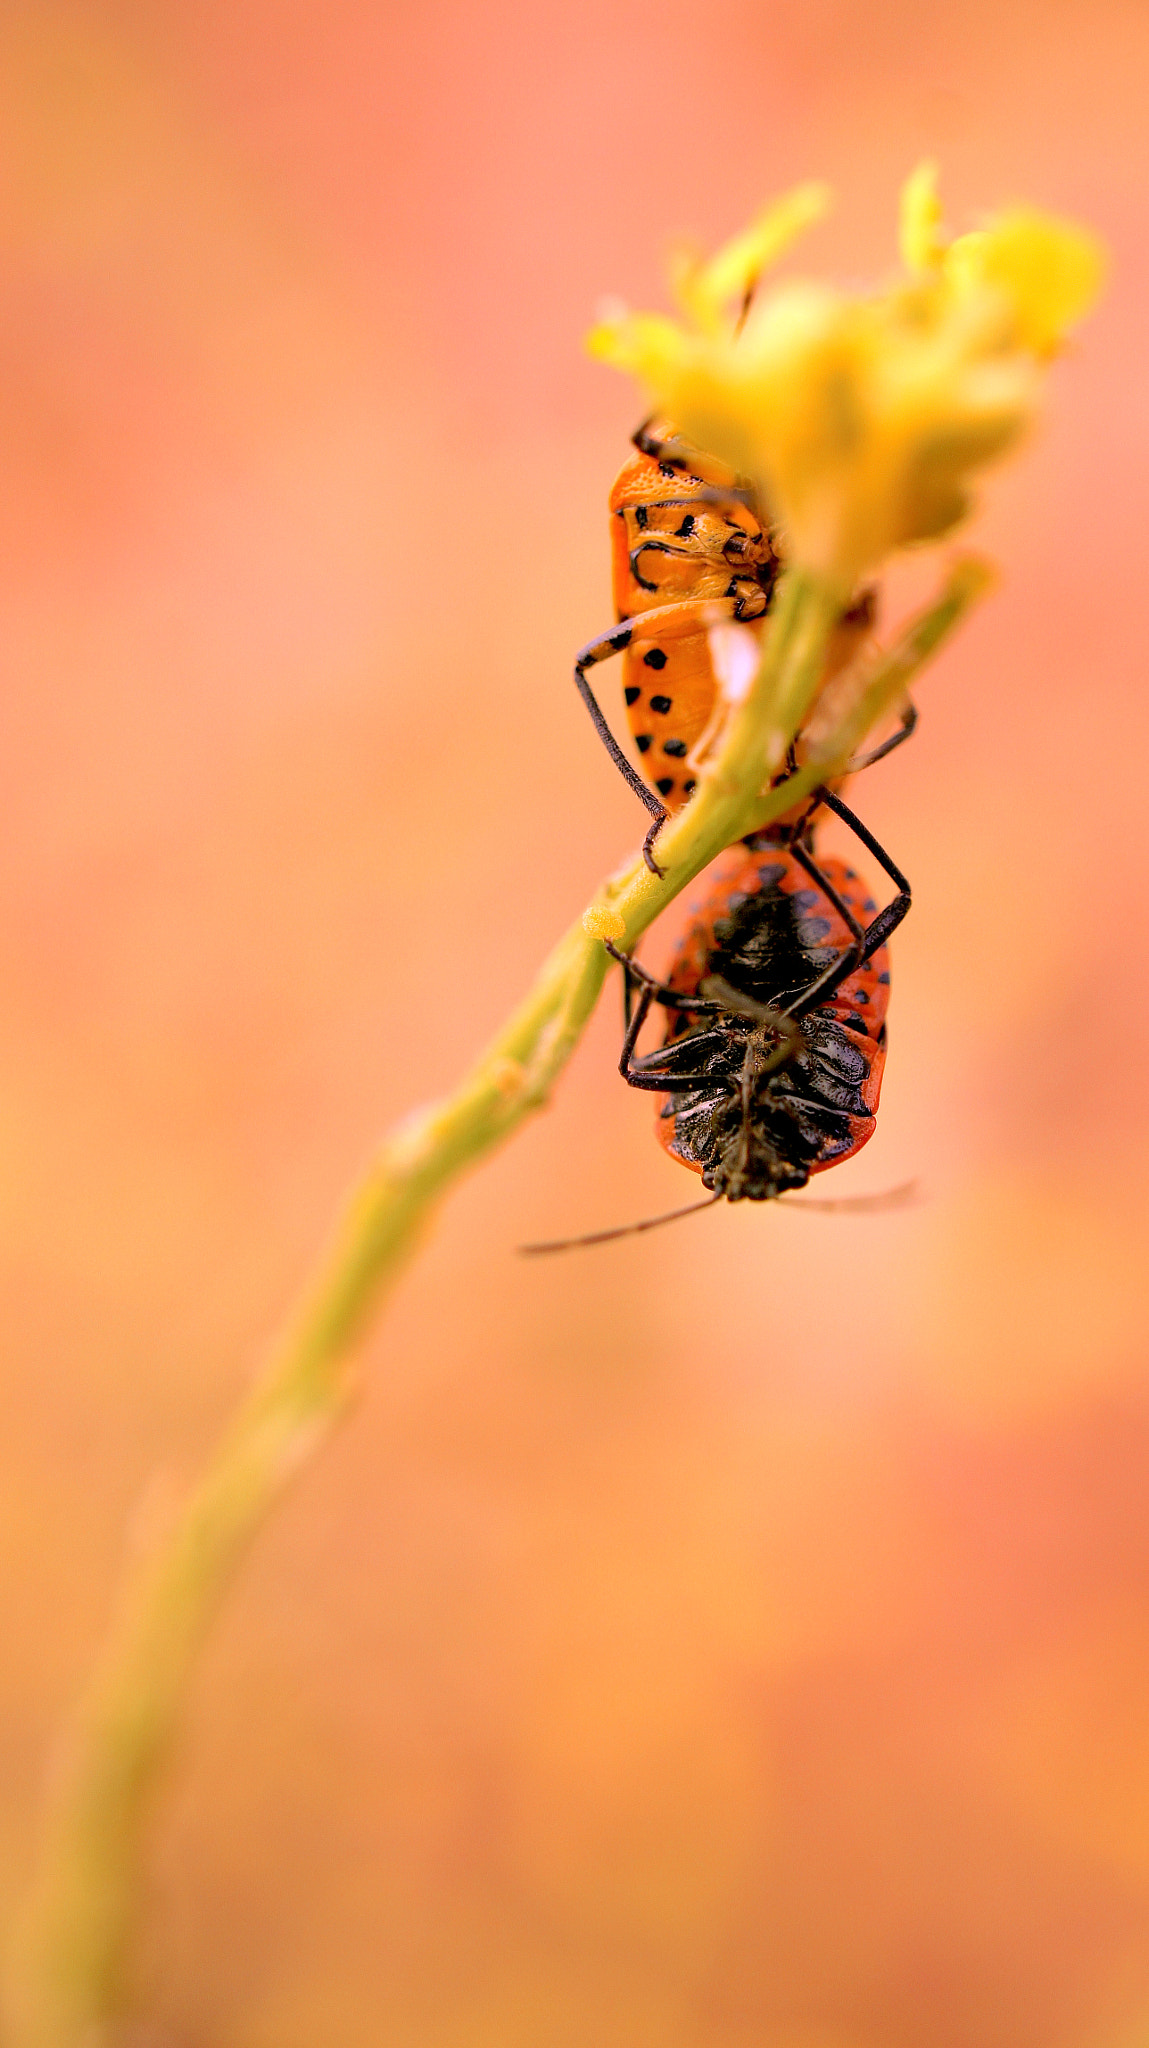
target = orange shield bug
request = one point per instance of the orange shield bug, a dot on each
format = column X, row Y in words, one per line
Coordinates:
column 689, row 546
column 771, row 1066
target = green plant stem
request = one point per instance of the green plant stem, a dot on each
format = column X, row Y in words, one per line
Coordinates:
column 66, row 1983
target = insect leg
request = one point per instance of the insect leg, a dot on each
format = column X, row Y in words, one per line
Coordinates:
column 896, row 739
column 655, row 547
column 662, row 1057
column 635, row 1074
column 653, row 991
column 660, row 991
column 675, row 618
column 853, row 767
column 879, row 928
column 634, row 1024
column 668, row 1084
column 847, row 962
column 672, row 454
column 601, row 650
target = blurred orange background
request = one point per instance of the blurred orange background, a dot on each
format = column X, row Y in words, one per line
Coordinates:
column 735, row 1638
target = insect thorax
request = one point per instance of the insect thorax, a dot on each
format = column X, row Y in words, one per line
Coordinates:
column 754, row 1134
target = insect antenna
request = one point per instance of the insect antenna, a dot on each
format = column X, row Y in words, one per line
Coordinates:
column 566, row 1244
column 905, row 1196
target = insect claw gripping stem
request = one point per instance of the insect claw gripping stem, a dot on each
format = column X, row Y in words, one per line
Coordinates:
column 648, row 846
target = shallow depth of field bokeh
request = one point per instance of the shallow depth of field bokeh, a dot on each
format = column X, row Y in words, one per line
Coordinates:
column 737, row 1638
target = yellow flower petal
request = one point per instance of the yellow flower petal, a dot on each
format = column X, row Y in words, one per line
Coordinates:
column 707, row 291
column 865, row 419
column 920, row 236
column 1049, row 271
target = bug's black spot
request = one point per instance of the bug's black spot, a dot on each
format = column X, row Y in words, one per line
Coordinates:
column 687, row 527
column 813, row 929
column 860, row 996
column 805, row 899
column 771, row 873
column 642, row 741
column 850, row 875
column 883, row 980
column 855, row 1023
column 632, row 693
column 660, row 704
column 621, row 639
column 641, row 516
column 688, row 789
column 675, row 748
column 664, row 785
column 655, row 659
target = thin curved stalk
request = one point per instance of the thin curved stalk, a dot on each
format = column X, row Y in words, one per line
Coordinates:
column 66, row 1983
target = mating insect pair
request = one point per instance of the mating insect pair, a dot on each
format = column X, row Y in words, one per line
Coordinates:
column 772, row 1060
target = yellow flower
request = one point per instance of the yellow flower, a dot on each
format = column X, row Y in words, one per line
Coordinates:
column 920, row 234
column 865, row 417
column 706, row 291
column 1047, row 271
